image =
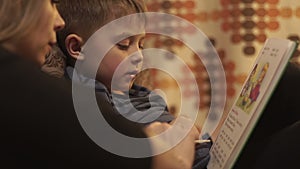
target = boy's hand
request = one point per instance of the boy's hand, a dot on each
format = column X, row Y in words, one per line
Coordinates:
column 181, row 156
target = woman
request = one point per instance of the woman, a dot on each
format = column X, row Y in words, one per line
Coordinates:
column 29, row 36
column 39, row 127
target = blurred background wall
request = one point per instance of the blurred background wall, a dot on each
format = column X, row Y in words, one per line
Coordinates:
column 237, row 29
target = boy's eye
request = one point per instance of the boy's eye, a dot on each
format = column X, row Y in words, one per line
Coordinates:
column 122, row 47
column 55, row 1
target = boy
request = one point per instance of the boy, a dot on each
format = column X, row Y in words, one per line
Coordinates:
column 71, row 44
column 121, row 63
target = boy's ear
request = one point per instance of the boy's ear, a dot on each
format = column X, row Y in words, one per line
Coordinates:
column 73, row 45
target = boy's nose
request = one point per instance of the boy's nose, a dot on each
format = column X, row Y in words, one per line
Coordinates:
column 137, row 57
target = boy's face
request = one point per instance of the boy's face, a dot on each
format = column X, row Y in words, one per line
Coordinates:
column 122, row 63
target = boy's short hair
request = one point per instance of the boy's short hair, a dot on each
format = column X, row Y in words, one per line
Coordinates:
column 84, row 17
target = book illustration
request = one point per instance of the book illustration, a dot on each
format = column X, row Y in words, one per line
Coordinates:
column 251, row 90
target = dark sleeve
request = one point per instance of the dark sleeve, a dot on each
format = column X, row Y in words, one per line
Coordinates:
column 202, row 155
column 281, row 111
column 140, row 98
column 283, row 151
column 40, row 129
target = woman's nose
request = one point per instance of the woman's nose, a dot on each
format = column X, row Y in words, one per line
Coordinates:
column 59, row 22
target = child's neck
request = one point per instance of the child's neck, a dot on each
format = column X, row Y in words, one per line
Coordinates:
column 119, row 92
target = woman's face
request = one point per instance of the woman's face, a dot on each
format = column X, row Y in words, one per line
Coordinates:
column 39, row 42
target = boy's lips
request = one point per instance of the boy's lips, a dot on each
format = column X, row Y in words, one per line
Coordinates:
column 133, row 73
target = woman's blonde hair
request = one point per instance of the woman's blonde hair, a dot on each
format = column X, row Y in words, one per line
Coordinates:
column 18, row 18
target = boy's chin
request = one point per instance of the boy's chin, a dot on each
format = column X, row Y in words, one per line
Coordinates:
column 124, row 88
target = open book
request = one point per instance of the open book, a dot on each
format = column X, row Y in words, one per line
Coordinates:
column 247, row 108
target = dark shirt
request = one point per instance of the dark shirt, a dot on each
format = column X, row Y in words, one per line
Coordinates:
column 283, row 151
column 281, row 111
column 40, row 129
column 139, row 104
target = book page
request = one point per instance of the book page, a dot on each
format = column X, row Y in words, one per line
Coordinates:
column 247, row 108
